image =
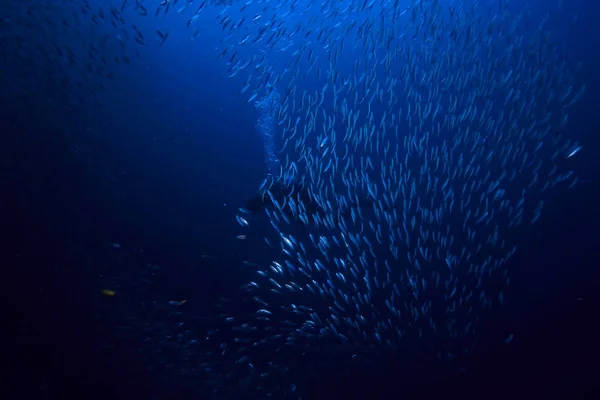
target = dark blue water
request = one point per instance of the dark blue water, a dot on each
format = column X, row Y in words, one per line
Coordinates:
column 133, row 187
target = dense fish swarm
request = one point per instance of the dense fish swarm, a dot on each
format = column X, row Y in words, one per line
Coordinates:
column 416, row 137
column 423, row 154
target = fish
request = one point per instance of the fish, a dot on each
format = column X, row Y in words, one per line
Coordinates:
column 163, row 36
column 394, row 183
column 242, row 221
column 408, row 178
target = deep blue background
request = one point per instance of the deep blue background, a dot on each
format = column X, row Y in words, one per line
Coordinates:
column 159, row 164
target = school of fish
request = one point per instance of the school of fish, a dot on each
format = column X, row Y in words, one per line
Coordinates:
column 449, row 117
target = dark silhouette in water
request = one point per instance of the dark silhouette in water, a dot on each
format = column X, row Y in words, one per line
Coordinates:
column 281, row 191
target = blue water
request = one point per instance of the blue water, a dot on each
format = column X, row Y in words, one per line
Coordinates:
column 131, row 183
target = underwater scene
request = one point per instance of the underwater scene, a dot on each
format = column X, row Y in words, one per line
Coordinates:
column 301, row 199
